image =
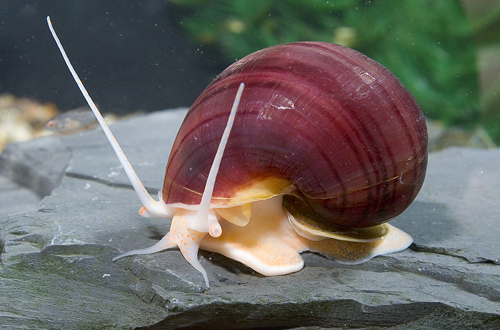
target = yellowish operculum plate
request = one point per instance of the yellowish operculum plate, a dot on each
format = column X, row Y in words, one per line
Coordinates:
column 315, row 231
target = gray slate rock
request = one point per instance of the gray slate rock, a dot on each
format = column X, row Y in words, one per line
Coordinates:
column 56, row 270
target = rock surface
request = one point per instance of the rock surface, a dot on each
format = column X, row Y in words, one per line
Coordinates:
column 56, row 270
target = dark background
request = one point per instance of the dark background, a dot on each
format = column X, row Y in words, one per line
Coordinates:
column 131, row 55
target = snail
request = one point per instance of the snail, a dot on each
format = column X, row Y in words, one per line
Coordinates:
column 307, row 146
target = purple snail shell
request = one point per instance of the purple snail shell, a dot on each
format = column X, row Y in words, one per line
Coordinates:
column 331, row 129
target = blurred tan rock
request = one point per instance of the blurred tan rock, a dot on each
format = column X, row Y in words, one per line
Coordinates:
column 22, row 119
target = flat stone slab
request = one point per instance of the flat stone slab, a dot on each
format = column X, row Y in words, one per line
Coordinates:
column 56, row 270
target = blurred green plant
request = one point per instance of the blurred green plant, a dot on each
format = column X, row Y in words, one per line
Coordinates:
column 428, row 44
column 485, row 18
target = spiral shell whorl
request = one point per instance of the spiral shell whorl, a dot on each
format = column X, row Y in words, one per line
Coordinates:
column 337, row 125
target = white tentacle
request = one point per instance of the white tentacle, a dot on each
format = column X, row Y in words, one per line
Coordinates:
column 152, row 207
column 203, row 222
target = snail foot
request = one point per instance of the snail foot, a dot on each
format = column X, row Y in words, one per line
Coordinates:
column 268, row 243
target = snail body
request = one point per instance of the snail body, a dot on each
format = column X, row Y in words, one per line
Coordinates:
column 320, row 147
